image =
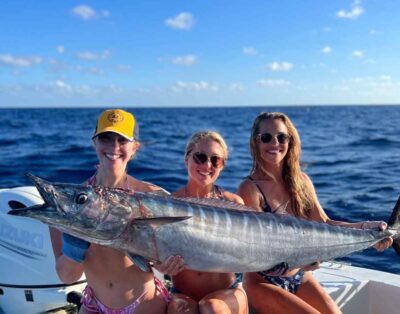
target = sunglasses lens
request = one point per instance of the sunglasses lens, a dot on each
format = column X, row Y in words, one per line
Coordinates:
column 217, row 161
column 266, row 137
column 200, row 158
column 282, row 138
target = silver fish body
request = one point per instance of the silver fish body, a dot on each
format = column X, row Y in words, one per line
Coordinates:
column 210, row 235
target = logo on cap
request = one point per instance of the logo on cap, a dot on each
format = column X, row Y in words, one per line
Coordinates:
column 115, row 117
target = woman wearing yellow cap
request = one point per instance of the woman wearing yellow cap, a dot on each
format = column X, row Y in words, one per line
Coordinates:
column 115, row 283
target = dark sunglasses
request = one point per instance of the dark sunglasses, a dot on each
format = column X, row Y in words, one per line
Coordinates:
column 282, row 138
column 200, row 158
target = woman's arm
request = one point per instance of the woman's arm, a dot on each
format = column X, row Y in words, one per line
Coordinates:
column 68, row 270
column 250, row 195
column 317, row 213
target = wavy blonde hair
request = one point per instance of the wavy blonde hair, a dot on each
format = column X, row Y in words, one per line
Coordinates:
column 206, row 136
column 302, row 199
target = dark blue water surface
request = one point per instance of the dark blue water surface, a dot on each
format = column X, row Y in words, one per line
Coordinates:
column 350, row 152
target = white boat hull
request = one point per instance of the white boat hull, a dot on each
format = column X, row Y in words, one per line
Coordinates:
column 28, row 279
column 360, row 290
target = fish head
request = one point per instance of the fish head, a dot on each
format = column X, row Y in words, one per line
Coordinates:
column 93, row 213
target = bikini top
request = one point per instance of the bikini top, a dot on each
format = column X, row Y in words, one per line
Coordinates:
column 281, row 209
column 218, row 192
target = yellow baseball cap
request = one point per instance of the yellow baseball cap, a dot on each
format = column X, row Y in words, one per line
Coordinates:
column 117, row 121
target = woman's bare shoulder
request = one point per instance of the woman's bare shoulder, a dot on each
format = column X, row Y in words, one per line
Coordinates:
column 142, row 186
column 233, row 197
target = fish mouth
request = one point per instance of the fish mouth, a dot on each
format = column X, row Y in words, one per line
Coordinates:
column 46, row 191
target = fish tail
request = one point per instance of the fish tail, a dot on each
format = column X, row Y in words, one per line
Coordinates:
column 394, row 222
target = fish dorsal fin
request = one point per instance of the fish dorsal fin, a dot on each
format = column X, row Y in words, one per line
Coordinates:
column 214, row 202
column 160, row 192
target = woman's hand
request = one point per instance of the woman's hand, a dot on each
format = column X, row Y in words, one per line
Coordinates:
column 381, row 225
column 171, row 266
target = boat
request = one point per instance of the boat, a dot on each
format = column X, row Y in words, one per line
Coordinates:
column 360, row 290
column 28, row 279
column 30, row 283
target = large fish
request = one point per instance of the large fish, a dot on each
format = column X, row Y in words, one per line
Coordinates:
column 210, row 235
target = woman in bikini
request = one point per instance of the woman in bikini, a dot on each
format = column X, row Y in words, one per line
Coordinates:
column 114, row 283
column 276, row 184
column 202, row 292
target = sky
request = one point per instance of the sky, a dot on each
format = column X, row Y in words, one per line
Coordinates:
column 180, row 53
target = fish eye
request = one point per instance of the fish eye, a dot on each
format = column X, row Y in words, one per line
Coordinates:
column 81, row 198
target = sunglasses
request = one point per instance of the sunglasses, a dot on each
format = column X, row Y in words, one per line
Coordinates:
column 282, row 138
column 200, row 158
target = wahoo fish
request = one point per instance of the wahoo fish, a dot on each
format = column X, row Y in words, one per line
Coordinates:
column 211, row 235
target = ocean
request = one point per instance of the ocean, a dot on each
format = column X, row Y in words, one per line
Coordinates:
column 351, row 153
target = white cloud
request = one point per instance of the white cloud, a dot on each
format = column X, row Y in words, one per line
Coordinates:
column 250, row 51
column 380, row 82
column 273, row 83
column 11, row 60
column 183, row 21
column 326, row 49
column 60, row 49
column 194, row 86
column 123, row 68
column 358, row 54
column 327, row 29
column 236, row 87
column 372, row 32
column 86, row 12
column 91, row 56
column 354, row 13
column 187, row 60
column 63, row 86
column 280, row 66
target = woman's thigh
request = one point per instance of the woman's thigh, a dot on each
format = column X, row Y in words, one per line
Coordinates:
column 266, row 298
column 312, row 292
column 225, row 301
column 181, row 303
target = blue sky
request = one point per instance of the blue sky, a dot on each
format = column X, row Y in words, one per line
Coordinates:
column 128, row 53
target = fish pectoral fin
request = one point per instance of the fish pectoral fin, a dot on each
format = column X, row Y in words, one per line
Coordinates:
column 159, row 221
column 140, row 261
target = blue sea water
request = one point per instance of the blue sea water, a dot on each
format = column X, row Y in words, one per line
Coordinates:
column 350, row 152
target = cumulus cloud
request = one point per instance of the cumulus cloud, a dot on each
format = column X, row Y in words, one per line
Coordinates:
column 194, row 86
column 60, row 49
column 183, row 21
column 86, row 12
column 92, row 56
column 358, row 54
column 250, row 51
column 11, row 60
column 354, row 13
column 280, row 66
column 62, row 86
column 187, row 60
column 326, row 49
column 273, row 83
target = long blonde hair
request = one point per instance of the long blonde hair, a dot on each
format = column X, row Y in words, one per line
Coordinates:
column 302, row 198
column 206, row 135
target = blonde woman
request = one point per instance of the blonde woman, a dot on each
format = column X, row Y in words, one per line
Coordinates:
column 276, row 184
column 200, row 292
